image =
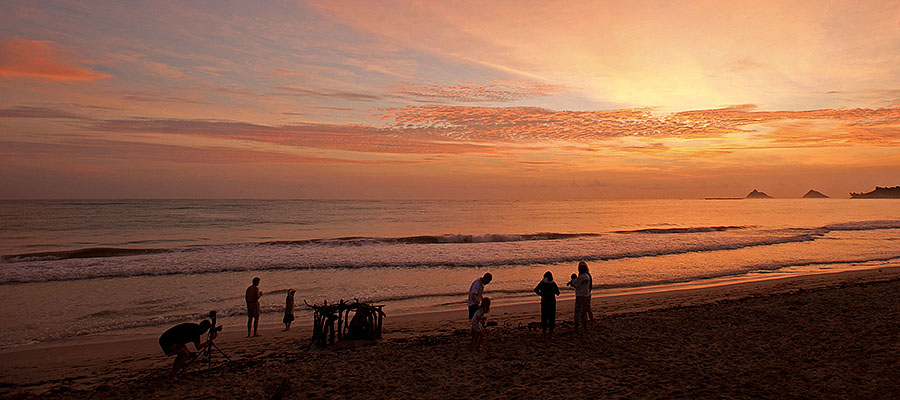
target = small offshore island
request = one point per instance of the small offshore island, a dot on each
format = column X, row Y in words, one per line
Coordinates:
column 879, row 193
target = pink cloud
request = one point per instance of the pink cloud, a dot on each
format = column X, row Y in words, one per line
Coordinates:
column 23, row 58
column 525, row 124
column 357, row 138
column 171, row 153
column 498, row 91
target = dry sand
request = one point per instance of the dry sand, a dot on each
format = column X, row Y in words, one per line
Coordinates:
column 834, row 335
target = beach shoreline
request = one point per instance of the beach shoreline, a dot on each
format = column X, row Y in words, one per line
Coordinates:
column 83, row 364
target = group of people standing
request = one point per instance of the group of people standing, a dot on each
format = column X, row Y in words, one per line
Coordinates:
column 252, row 295
column 582, row 282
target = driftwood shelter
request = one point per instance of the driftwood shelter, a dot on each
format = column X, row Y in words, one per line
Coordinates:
column 365, row 324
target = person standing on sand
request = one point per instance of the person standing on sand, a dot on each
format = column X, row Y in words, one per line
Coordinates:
column 548, row 290
column 476, row 292
column 289, row 309
column 582, row 284
column 252, row 296
column 479, row 320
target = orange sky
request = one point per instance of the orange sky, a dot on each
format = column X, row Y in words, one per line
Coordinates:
column 527, row 100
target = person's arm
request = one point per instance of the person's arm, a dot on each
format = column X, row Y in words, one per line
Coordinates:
column 474, row 296
column 537, row 289
column 201, row 346
column 556, row 289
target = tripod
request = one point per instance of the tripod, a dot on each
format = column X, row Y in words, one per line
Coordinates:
column 208, row 350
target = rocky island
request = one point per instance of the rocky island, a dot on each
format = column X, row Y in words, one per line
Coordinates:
column 815, row 194
column 879, row 193
column 756, row 194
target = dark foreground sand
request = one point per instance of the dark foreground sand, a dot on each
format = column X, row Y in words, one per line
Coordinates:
column 826, row 336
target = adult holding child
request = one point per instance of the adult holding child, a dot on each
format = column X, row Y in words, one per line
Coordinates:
column 583, row 284
column 476, row 293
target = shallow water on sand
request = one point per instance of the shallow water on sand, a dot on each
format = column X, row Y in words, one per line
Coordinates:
column 73, row 268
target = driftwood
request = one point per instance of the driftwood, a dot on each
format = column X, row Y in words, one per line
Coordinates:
column 365, row 324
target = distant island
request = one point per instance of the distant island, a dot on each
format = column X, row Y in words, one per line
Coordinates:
column 756, row 194
column 815, row 194
column 879, row 193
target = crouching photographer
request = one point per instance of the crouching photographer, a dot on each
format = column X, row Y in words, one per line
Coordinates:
column 174, row 342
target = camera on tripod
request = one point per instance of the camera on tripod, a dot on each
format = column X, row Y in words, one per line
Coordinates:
column 208, row 351
column 214, row 328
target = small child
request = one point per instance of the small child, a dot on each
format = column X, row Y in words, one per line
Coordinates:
column 572, row 281
column 478, row 323
column 289, row 309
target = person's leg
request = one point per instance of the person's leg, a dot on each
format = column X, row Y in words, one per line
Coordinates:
column 551, row 319
column 249, row 322
column 582, row 312
column 590, row 313
column 577, row 313
column 472, row 310
column 180, row 360
column 256, row 325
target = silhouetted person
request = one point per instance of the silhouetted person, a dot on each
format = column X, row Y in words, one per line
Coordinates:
column 252, row 296
column 582, row 284
column 174, row 341
column 289, row 309
column 479, row 321
column 548, row 290
column 476, row 292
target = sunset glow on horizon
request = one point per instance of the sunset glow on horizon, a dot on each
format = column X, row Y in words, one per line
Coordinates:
column 461, row 100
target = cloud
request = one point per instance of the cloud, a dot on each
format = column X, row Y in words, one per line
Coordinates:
column 37, row 112
column 337, row 94
column 170, row 153
column 358, row 138
column 144, row 96
column 525, row 124
column 498, row 91
column 23, row 58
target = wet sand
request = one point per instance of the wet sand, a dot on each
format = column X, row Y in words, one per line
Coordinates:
column 833, row 335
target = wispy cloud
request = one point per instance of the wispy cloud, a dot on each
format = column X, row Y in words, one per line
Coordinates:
column 337, row 94
column 358, row 138
column 37, row 112
column 173, row 153
column 523, row 124
column 498, row 91
column 37, row 59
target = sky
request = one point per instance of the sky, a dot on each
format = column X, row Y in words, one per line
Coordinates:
column 447, row 100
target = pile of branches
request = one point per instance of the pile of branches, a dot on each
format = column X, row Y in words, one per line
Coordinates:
column 364, row 325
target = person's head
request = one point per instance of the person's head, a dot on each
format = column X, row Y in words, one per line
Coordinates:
column 487, row 278
column 549, row 276
column 291, row 292
column 256, row 281
column 582, row 268
column 204, row 326
column 486, row 305
column 574, row 276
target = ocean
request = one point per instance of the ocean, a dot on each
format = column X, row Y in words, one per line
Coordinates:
column 135, row 267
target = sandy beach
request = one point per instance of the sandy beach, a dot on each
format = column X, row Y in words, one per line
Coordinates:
column 831, row 335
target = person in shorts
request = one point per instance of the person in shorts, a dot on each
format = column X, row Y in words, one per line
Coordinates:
column 174, row 343
column 252, row 296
